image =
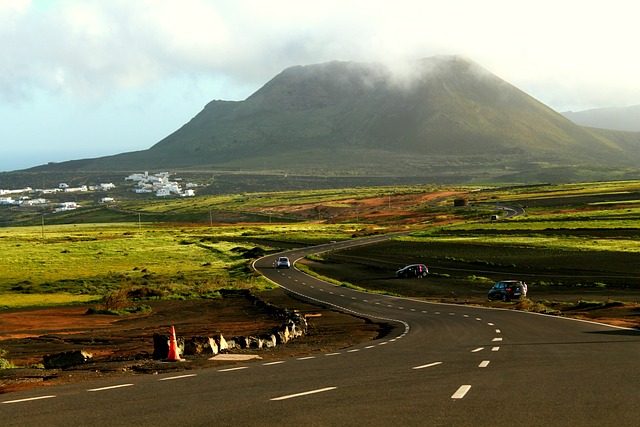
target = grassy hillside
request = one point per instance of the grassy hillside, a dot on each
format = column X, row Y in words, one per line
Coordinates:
column 582, row 237
column 443, row 117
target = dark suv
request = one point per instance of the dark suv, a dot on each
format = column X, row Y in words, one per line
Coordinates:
column 413, row 270
column 506, row 290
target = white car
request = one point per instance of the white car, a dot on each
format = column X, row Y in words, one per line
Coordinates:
column 283, row 262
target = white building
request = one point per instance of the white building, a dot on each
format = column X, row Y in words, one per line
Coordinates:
column 33, row 202
column 8, row 201
column 66, row 206
column 105, row 186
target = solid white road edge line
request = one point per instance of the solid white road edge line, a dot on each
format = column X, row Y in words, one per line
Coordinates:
column 304, row 393
column 459, row 394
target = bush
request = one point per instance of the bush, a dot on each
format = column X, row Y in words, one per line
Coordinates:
column 4, row 363
column 116, row 300
column 122, row 312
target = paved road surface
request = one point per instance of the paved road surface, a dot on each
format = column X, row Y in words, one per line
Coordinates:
column 441, row 365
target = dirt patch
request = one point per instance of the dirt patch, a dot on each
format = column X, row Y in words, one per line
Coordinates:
column 398, row 210
column 124, row 345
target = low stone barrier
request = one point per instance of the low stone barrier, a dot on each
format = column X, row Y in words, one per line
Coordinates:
column 66, row 359
column 294, row 326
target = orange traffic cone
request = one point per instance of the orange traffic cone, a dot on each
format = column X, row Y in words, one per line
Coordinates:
column 174, row 352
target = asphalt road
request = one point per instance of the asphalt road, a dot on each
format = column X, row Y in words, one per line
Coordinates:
column 440, row 365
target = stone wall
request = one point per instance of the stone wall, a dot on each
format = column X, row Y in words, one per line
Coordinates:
column 294, row 325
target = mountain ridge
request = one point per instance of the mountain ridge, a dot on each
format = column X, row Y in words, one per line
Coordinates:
column 442, row 114
column 612, row 118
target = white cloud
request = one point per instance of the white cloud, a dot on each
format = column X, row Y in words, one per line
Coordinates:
column 88, row 49
column 101, row 54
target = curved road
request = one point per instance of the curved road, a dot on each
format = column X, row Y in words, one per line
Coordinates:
column 441, row 365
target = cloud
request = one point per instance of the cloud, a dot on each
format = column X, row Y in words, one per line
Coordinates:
column 567, row 52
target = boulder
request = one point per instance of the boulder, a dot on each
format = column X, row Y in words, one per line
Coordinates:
column 269, row 340
column 67, row 359
column 222, row 343
column 282, row 334
column 200, row 345
column 161, row 346
column 255, row 343
column 241, row 342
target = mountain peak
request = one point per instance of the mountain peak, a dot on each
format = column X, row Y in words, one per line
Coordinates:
column 438, row 116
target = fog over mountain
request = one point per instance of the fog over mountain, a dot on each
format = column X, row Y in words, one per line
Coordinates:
column 443, row 116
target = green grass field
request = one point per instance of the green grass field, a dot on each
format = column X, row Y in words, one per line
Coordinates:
column 163, row 254
column 79, row 263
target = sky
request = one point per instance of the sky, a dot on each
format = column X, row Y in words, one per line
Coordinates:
column 89, row 78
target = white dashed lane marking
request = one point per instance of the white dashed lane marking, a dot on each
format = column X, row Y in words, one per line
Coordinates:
column 304, row 393
column 461, row 392
column 179, row 377
column 29, row 399
column 428, row 365
column 232, row 369
column 483, row 364
column 110, row 387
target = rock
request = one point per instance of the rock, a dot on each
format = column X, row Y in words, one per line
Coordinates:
column 200, row 345
column 161, row 346
column 222, row 343
column 269, row 340
column 255, row 343
column 282, row 334
column 67, row 359
column 241, row 342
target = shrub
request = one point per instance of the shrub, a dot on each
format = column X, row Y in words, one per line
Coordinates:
column 4, row 363
column 122, row 312
column 116, row 300
column 589, row 304
column 480, row 279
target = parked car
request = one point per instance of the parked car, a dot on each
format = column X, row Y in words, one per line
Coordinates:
column 283, row 262
column 413, row 270
column 506, row 290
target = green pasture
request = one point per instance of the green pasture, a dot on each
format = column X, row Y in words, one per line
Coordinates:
column 76, row 263
column 176, row 258
column 606, row 188
column 558, row 243
column 20, row 300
